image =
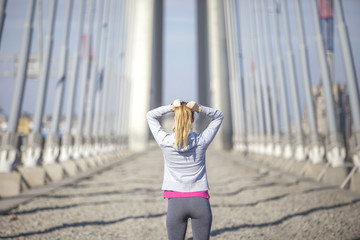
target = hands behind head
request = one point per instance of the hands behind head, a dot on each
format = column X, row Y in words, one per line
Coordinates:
column 192, row 105
column 175, row 104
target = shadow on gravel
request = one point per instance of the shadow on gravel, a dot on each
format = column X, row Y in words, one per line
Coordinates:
column 91, row 185
column 238, row 178
column 250, row 204
column 272, row 184
column 93, row 194
column 281, row 220
column 81, row 224
column 75, row 205
column 274, row 198
column 110, row 184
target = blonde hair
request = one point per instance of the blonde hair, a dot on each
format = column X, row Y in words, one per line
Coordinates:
column 183, row 123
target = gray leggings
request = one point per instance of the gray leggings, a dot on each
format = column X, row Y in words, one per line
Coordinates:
column 181, row 209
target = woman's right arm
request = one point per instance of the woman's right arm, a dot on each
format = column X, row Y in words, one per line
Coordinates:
column 207, row 136
column 153, row 117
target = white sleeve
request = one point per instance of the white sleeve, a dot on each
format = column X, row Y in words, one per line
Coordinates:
column 207, row 136
column 153, row 117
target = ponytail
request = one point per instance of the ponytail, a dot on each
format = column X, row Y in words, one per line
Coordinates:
column 183, row 123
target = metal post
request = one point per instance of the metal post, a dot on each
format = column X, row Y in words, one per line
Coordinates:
column 241, row 81
column 127, row 71
column 100, row 78
column 287, row 149
column 351, row 77
column 258, row 96
column 79, row 147
column 299, row 153
column 316, row 148
column 232, row 72
column 124, row 21
column 2, row 16
column 32, row 152
column 79, row 138
column 122, row 93
column 240, row 143
column 52, row 143
column 335, row 146
column 9, row 148
column 234, row 77
column 88, row 148
column 264, row 85
column 250, row 108
column 67, row 145
column 40, row 34
column 110, row 76
column 107, row 80
column 117, row 80
column 272, row 82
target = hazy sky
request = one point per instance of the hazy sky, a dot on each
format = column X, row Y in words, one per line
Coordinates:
column 180, row 63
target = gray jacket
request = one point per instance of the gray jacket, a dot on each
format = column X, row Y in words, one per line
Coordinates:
column 184, row 168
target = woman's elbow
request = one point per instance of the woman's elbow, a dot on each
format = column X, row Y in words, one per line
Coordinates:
column 221, row 115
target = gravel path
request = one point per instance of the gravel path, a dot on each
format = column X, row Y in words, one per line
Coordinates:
column 249, row 201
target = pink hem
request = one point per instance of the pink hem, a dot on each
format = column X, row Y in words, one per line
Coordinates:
column 173, row 194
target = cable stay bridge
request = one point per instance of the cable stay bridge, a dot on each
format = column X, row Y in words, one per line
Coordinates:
column 284, row 164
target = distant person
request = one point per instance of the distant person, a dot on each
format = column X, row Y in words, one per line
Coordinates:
column 185, row 182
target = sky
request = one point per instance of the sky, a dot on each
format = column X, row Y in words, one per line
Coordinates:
column 180, row 54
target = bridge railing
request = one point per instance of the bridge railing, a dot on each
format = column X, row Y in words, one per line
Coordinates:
column 89, row 72
column 322, row 139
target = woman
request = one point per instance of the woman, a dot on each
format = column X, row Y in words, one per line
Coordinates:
column 185, row 182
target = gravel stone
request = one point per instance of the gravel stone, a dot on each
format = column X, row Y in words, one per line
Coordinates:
column 249, row 201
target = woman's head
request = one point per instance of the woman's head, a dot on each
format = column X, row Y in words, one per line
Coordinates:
column 184, row 118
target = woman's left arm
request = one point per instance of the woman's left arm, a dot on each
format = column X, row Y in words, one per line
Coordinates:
column 153, row 117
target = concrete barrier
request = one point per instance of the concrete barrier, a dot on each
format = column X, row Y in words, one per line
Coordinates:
column 335, row 176
column 54, row 171
column 69, row 168
column 355, row 182
column 9, row 184
column 81, row 164
column 32, row 177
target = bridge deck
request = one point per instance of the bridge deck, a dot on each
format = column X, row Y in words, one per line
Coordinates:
column 248, row 200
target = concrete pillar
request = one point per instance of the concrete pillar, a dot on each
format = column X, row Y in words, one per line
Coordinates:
column 140, row 73
column 203, row 57
column 2, row 16
column 203, row 62
column 156, row 81
column 219, row 77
